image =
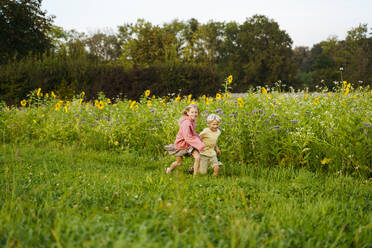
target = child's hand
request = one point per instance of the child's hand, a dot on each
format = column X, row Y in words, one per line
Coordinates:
column 218, row 151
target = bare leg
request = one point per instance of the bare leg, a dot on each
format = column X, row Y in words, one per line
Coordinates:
column 196, row 156
column 175, row 164
column 215, row 170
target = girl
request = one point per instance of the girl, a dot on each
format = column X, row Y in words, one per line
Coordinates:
column 187, row 142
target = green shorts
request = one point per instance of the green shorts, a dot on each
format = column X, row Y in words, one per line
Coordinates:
column 208, row 161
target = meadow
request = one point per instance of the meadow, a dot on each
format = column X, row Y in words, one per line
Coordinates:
column 297, row 172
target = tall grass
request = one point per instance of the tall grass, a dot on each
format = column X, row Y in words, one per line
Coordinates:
column 320, row 131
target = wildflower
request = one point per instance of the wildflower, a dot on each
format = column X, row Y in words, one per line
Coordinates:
column 326, row 161
column 230, row 79
column 178, row 98
column 96, row 103
column 207, row 100
column 82, row 93
column 80, row 101
column 132, row 104
column 203, row 97
column 189, row 98
column 52, row 94
column 43, row 115
column 153, row 96
column 149, row 103
column 294, row 121
column 107, row 208
column 108, row 101
column 347, row 90
column 368, row 125
column 66, row 110
column 264, row 91
column 116, row 143
column 38, row 92
column 100, row 105
column 34, row 121
column 46, row 95
column 240, row 101
column 345, row 84
column 218, row 96
column 147, row 93
column 306, row 96
column 23, row 102
column 193, row 102
column 316, row 101
column 276, row 128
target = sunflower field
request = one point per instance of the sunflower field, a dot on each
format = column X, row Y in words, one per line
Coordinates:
column 296, row 172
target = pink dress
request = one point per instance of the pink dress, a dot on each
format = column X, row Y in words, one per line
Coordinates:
column 187, row 136
column 187, row 139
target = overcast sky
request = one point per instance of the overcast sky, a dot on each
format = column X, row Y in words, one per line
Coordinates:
column 306, row 21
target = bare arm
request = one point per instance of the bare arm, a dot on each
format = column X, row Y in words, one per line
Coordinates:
column 218, row 150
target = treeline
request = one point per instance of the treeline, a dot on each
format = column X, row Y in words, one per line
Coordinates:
column 180, row 57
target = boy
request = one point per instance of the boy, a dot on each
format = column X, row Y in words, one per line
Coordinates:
column 208, row 156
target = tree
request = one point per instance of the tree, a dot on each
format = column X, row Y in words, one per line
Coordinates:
column 144, row 44
column 104, row 46
column 260, row 51
column 357, row 54
column 23, row 28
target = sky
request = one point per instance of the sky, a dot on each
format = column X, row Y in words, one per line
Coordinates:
column 306, row 21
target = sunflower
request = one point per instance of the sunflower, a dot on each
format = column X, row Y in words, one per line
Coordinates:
column 23, row 102
column 264, row 91
column 100, row 105
column 147, row 93
column 229, row 79
column 240, row 101
column 132, row 104
column 218, row 96
column 347, row 90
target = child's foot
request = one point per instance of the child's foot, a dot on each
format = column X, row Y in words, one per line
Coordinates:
column 167, row 170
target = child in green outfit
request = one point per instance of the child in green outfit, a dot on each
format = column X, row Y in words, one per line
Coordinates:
column 209, row 136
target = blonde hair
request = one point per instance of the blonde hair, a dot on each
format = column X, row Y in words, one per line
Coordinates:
column 187, row 109
column 213, row 117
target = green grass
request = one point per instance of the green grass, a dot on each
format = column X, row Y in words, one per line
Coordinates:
column 55, row 195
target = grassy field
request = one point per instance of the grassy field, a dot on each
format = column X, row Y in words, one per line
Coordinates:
column 297, row 173
column 63, row 196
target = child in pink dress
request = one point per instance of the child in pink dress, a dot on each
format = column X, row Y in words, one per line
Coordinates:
column 188, row 142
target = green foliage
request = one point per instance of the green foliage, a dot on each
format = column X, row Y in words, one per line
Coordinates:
column 322, row 64
column 23, row 28
column 72, row 70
